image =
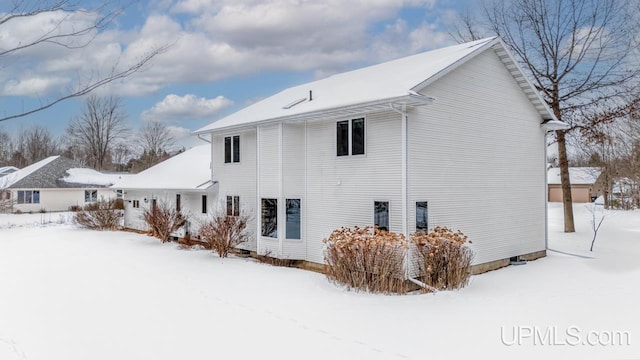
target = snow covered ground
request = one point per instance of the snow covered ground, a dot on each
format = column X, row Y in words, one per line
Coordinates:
column 73, row 294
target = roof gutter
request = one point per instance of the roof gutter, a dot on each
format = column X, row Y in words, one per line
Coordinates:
column 411, row 99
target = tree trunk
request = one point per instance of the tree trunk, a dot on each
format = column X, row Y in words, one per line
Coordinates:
column 567, row 202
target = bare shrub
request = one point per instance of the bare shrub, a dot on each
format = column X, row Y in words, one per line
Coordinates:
column 163, row 218
column 446, row 260
column 367, row 259
column 101, row 215
column 224, row 232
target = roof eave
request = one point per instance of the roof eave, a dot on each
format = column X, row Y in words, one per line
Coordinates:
column 412, row 99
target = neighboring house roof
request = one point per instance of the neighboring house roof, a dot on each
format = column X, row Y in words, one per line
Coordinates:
column 397, row 82
column 90, row 176
column 190, row 170
column 577, row 175
column 49, row 173
column 6, row 170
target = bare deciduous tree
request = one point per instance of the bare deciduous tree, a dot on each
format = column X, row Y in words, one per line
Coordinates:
column 156, row 139
column 579, row 53
column 95, row 131
column 39, row 143
column 71, row 36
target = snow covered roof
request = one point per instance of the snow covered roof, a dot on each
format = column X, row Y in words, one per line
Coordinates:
column 190, row 170
column 6, row 170
column 577, row 175
column 13, row 178
column 90, row 176
column 57, row 172
column 375, row 87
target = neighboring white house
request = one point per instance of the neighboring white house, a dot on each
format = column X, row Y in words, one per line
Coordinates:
column 584, row 184
column 54, row 184
column 183, row 181
column 452, row 137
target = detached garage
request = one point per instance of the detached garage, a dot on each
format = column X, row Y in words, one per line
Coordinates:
column 584, row 184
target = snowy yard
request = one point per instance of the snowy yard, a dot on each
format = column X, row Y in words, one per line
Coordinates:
column 73, row 294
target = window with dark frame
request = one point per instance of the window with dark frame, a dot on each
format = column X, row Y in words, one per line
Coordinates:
column 293, row 219
column 136, row 203
column 343, row 138
column 233, row 205
column 350, row 137
column 232, row 149
column 204, row 204
column 227, row 149
column 381, row 215
column 357, row 136
column 422, row 216
column 270, row 218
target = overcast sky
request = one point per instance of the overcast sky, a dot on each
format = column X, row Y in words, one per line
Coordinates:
column 224, row 54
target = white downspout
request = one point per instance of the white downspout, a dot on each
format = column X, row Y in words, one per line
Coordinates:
column 281, row 209
column 405, row 177
column 258, row 201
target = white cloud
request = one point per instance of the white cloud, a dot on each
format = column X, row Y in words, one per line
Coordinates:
column 182, row 137
column 175, row 108
column 211, row 40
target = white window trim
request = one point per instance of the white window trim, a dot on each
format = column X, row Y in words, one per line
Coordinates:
column 350, row 137
column 224, row 155
column 373, row 213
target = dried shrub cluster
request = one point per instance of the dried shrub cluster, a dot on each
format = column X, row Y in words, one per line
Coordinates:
column 101, row 215
column 224, row 232
column 445, row 259
column 163, row 219
column 367, row 259
column 373, row 260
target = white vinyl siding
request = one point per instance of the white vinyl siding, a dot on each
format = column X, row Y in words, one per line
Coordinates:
column 341, row 190
column 476, row 154
column 238, row 179
column 293, row 165
column 269, row 184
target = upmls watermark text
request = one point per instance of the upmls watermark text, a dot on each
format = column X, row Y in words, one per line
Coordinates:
column 559, row 336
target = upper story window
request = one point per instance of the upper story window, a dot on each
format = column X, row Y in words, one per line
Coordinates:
column 232, row 149
column 350, row 137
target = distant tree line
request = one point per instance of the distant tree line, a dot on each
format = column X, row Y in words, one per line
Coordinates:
column 99, row 137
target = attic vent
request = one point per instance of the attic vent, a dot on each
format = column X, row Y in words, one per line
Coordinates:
column 294, row 103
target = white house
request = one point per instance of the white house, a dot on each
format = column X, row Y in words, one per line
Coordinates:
column 183, row 181
column 54, row 184
column 452, row 137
